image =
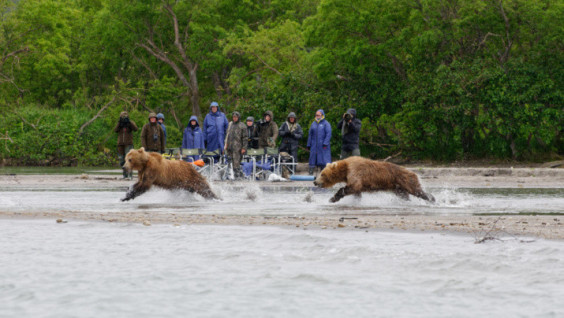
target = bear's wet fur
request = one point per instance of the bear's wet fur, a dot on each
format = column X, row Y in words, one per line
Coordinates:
column 154, row 170
column 365, row 175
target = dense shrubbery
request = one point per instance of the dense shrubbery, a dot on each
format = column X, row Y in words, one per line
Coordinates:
column 439, row 80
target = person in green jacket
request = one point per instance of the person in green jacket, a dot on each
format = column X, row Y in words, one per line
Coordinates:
column 152, row 135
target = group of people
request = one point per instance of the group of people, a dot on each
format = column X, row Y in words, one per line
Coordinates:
column 234, row 137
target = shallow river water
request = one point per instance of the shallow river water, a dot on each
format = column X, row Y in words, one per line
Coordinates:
column 91, row 269
column 94, row 269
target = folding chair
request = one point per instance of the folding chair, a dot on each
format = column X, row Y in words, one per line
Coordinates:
column 172, row 153
column 188, row 154
column 250, row 160
column 217, row 165
column 286, row 163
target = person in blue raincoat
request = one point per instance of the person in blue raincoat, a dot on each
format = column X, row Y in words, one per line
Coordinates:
column 160, row 120
column 318, row 142
column 215, row 126
column 193, row 137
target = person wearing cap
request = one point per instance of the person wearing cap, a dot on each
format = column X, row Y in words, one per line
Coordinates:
column 319, row 142
column 291, row 132
column 267, row 130
column 350, row 131
column 152, row 135
column 236, row 143
column 215, row 126
column 125, row 128
column 193, row 137
column 160, row 120
column 252, row 133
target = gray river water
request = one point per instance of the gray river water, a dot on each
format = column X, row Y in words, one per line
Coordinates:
column 93, row 269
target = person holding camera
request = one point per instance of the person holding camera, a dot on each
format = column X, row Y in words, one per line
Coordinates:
column 350, row 131
column 267, row 130
column 125, row 128
column 152, row 135
column 291, row 133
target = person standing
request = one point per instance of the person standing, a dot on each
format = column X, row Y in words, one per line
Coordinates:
column 319, row 142
column 350, row 131
column 160, row 120
column 215, row 125
column 193, row 138
column 125, row 128
column 236, row 143
column 291, row 132
column 252, row 133
column 152, row 135
column 267, row 130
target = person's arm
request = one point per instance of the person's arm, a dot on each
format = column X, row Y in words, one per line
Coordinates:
column 116, row 128
column 298, row 133
column 133, row 126
column 274, row 133
column 327, row 140
column 283, row 131
column 340, row 124
column 355, row 125
column 144, row 137
column 163, row 140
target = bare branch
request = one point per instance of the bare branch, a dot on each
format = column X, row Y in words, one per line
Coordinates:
column 86, row 124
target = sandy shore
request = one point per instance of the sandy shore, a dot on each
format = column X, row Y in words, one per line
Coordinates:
column 477, row 226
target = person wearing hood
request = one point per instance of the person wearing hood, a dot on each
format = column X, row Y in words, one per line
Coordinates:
column 291, row 132
column 193, row 138
column 319, row 142
column 160, row 120
column 236, row 143
column 152, row 135
column 125, row 128
column 267, row 130
column 252, row 133
column 350, row 131
column 215, row 125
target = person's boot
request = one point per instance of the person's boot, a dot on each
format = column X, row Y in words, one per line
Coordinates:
column 311, row 171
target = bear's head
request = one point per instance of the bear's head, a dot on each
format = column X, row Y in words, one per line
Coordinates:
column 332, row 173
column 136, row 159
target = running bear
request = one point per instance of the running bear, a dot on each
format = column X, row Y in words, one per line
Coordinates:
column 365, row 175
column 168, row 174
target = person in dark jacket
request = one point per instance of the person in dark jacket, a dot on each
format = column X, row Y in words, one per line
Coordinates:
column 152, row 135
column 125, row 128
column 236, row 143
column 215, row 125
column 350, row 131
column 160, row 120
column 291, row 132
column 267, row 130
column 252, row 133
column 319, row 142
column 193, row 137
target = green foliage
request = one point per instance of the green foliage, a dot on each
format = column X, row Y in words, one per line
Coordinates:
column 441, row 80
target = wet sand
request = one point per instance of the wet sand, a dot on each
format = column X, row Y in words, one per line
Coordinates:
column 481, row 227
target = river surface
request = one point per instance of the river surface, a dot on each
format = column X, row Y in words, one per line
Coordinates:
column 95, row 269
column 253, row 199
column 92, row 269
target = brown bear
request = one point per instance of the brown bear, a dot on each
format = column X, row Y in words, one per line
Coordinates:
column 168, row 174
column 365, row 175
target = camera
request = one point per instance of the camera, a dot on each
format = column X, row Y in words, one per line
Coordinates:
column 347, row 116
column 155, row 137
column 124, row 122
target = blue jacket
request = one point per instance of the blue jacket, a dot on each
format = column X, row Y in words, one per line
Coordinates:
column 193, row 138
column 215, row 126
column 164, row 129
column 319, row 142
